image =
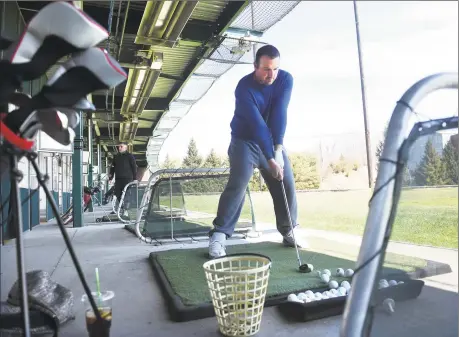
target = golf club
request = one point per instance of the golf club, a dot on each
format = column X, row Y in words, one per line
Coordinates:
column 304, row 268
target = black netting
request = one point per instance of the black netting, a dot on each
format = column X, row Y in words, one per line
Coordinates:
column 263, row 17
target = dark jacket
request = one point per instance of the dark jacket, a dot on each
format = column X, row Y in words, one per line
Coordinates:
column 124, row 166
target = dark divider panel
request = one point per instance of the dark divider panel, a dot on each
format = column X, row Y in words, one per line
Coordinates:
column 35, row 210
column 24, row 192
column 5, row 196
column 49, row 209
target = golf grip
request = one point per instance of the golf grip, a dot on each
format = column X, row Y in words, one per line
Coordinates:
column 290, row 221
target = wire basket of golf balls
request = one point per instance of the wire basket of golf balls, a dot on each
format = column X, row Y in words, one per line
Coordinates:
column 237, row 285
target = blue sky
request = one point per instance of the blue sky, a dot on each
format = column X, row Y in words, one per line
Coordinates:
column 403, row 41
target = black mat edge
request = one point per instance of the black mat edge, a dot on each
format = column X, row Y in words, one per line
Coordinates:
column 183, row 313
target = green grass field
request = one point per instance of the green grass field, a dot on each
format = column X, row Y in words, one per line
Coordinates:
column 424, row 216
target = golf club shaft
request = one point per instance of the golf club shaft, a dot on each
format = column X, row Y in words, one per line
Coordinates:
column 290, row 221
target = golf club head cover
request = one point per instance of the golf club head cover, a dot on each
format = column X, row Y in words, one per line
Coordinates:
column 57, row 30
column 88, row 71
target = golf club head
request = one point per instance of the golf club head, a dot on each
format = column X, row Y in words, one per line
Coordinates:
column 57, row 30
column 88, row 71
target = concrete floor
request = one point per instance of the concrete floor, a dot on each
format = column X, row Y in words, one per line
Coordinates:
column 139, row 309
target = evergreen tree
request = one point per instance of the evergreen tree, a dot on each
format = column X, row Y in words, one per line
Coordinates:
column 450, row 160
column 192, row 158
column 380, row 147
column 213, row 160
column 169, row 163
column 431, row 170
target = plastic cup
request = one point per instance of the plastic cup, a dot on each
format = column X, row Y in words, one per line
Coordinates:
column 104, row 304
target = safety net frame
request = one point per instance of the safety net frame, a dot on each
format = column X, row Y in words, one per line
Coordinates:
column 244, row 228
column 401, row 134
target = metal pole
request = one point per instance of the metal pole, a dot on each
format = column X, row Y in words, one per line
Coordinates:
column 364, row 103
column 91, row 157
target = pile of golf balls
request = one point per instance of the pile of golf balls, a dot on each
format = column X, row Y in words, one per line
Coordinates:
column 336, row 289
column 384, row 284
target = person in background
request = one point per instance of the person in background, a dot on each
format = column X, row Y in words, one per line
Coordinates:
column 124, row 170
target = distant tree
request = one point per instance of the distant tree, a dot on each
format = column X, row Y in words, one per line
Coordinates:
column 169, row 163
column 450, row 160
column 431, row 170
column 192, row 158
column 213, row 160
column 380, row 147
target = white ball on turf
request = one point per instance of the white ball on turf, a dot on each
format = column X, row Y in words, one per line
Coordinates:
column 311, row 266
column 401, row 282
column 348, row 273
column 325, row 278
column 333, row 284
column 326, row 293
column 346, row 285
column 334, row 292
column 340, row 272
column 307, row 300
column 392, row 283
column 326, row 271
column 342, row 291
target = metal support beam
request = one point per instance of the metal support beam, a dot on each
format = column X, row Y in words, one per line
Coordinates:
column 99, row 174
column 91, row 158
column 364, row 101
column 77, row 176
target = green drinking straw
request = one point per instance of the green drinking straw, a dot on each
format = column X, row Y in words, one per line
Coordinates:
column 98, row 285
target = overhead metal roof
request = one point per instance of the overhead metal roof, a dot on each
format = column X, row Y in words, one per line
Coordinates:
column 167, row 48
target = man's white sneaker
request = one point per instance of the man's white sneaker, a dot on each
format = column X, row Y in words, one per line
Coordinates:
column 217, row 245
column 290, row 242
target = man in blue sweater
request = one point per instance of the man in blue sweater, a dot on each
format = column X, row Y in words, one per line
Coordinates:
column 258, row 127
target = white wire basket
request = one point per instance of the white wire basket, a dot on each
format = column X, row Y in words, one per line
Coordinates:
column 237, row 285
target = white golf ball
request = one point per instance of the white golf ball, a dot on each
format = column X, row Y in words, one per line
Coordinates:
column 333, row 284
column 309, row 294
column 326, row 293
column 334, row 292
column 302, row 296
column 292, row 298
column 348, row 273
column 401, row 282
column 383, row 285
column 340, row 272
column 346, row 285
column 325, row 278
column 393, row 283
column 326, row 271
column 307, row 300
column 342, row 291
column 318, row 296
column 311, row 266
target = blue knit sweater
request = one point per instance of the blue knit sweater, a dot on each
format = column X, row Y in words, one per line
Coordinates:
column 261, row 111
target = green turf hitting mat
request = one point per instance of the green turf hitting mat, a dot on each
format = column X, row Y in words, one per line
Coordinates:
column 181, row 275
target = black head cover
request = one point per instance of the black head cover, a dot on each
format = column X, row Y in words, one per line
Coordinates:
column 57, row 30
column 88, row 71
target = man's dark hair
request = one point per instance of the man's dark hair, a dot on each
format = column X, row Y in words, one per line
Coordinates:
column 269, row 51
